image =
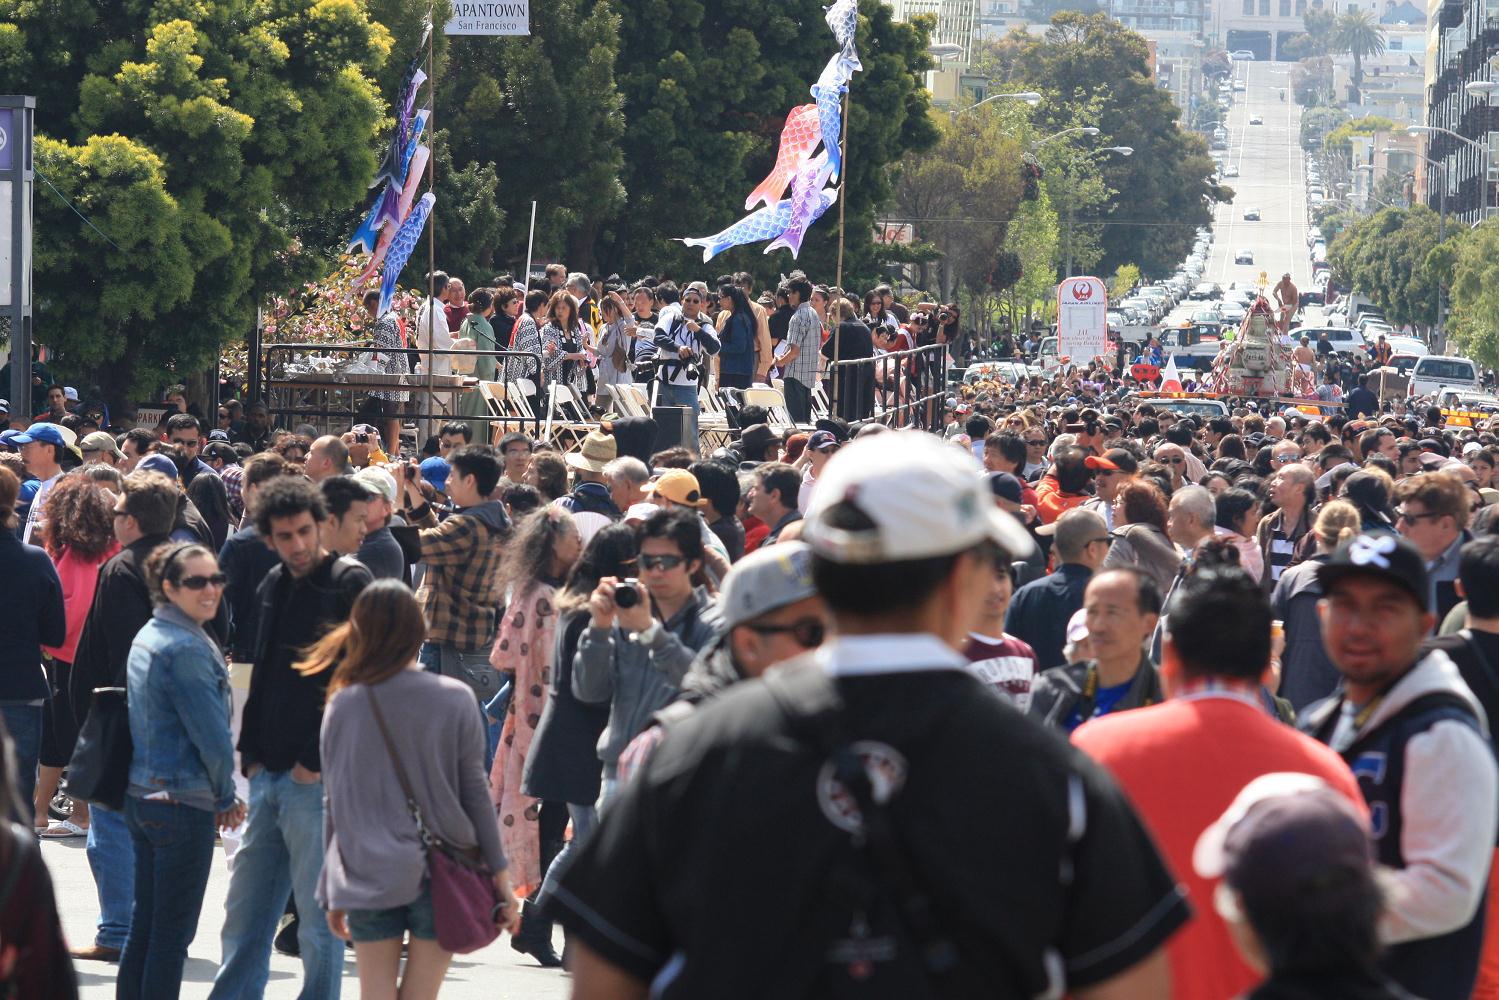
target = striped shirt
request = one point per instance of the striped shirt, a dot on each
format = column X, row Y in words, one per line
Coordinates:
column 804, row 331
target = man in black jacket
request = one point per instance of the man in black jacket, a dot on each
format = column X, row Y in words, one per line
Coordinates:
column 143, row 518
column 282, row 852
column 1121, row 607
column 246, row 560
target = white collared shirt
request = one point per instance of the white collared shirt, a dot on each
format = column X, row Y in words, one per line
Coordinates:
column 891, row 653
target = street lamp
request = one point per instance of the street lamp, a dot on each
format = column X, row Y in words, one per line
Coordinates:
column 1084, row 129
column 1482, row 147
column 1028, row 96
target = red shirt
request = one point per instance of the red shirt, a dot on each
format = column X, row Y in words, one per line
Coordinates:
column 1007, row 664
column 455, row 315
column 755, row 531
column 1182, row 763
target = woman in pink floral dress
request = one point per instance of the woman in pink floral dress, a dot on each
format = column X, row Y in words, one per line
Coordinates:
column 537, row 558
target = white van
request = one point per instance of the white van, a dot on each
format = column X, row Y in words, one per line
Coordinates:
column 1437, row 371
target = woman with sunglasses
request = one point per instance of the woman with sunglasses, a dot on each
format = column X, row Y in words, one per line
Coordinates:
column 181, row 774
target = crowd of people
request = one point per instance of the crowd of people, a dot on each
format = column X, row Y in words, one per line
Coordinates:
column 721, row 715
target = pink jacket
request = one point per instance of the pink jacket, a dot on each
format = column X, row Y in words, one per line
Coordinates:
column 79, row 575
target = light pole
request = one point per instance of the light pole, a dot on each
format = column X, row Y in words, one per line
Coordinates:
column 1084, row 129
column 1028, row 96
column 1358, row 170
column 1482, row 147
column 1441, row 223
column 1071, row 203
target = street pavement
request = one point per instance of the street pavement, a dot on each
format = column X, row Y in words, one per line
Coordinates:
column 495, row 973
column 1271, row 178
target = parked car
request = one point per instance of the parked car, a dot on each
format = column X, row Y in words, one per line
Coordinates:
column 1241, row 55
column 1256, row 120
column 1440, row 371
column 1343, row 339
column 1231, row 171
column 1251, row 215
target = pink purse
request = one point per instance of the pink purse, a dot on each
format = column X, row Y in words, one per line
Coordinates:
column 465, row 904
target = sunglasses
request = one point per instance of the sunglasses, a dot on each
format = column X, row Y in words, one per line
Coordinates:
column 1172, row 461
column 1035, row 443
column 1283, row 459
column 692, row 299
column 199, row 582
column 661, row 562
column 1105, row 539
column 1409, row 518
column 808, row 633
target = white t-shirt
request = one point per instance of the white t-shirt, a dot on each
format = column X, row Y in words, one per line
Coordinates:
column 432, row 332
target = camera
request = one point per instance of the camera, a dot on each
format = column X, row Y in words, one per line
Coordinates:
column 361, row 439
column 627, row 593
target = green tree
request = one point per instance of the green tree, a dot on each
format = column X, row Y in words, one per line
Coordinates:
column 961, row 194
column 1474, row 318
column 1321, row 27
column 707, row 85
column 1165, row 191
column 1358, row 33
column 546, row 107
column 1385, row 256
column 1126, row 277
column 1032, row 236
column 1318, row 123
column 210, row 143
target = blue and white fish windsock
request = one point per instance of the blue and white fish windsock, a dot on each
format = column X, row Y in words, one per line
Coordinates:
column 402, row 247
column 760, row 225
column 843, row 18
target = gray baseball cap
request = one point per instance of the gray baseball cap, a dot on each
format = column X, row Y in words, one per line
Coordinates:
column 766, row 579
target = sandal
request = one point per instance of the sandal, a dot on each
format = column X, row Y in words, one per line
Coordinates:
column 64, row 830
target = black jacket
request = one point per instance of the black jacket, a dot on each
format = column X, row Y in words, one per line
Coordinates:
column 284, row 711
column 563, row 764
column 122, row 604
column 1056, row 692
column 246, row 560
column 34, row 617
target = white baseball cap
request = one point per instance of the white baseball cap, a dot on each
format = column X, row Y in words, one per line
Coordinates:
column 379, row 480
column 925, row 497
column 770, row 577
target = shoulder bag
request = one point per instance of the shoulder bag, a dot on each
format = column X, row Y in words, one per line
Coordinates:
column 465, row 904
column 99, row 770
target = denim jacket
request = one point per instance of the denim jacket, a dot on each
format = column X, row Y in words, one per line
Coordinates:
column 179, row 713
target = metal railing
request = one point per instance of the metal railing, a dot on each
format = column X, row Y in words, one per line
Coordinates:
column 300, row 388
column 900, row 389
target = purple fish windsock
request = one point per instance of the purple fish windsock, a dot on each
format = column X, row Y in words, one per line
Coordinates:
column 843, row 18
column 808, row 201
column 392, row 165
column 830, row 121
column 402, row 247
column 799, row 137
column 762, row 225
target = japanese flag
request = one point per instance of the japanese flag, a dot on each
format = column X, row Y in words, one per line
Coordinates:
column 1171, row 380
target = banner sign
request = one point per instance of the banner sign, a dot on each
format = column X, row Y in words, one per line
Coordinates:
column 489, row 17
column 1082, row 318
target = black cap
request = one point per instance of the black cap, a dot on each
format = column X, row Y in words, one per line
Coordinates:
column 756, row 438
column 1005, row 486
column 1388, row 557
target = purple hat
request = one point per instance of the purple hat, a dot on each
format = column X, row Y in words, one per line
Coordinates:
column 1286, row 835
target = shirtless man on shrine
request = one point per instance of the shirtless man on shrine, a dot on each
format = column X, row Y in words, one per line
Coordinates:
column 1287, row 301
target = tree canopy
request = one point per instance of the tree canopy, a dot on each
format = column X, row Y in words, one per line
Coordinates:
column 1384, row 256
column 209, row 143
column 1085, row 60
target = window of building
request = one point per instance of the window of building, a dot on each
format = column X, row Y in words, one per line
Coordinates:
column 1300, row 8
column 1264, row 8
column 1285, row 8
column 1248, row 8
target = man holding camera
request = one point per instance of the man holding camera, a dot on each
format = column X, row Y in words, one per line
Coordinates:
column 644, row 634
column 683, row 342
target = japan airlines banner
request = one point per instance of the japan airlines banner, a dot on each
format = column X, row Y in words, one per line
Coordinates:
column 1082, row 319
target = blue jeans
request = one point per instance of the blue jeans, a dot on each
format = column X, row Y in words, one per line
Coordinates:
column 281, row 854
column 111, row 857
column 682, row 395
column 24, row 724
column 173, row 853
column 584, row 818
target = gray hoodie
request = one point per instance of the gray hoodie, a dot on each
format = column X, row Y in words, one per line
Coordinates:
column 638, row 679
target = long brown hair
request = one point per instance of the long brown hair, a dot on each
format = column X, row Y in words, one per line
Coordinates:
column 381, row 638
column 560, row 299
